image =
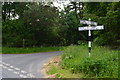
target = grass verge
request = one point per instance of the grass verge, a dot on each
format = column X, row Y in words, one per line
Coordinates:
column 7, row 50
column 103, row 62
column 53, row 70
column 75, row 63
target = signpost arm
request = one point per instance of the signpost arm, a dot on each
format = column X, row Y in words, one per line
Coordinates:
column 89, row 39
column 89, row 28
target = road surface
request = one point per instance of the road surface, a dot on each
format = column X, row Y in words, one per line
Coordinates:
column 24, row 65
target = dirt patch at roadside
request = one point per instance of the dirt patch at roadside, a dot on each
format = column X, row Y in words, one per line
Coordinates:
column 53, row 61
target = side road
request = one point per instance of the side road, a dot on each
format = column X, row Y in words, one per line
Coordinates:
column 25, row 65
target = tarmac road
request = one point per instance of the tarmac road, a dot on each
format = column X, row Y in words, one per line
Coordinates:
column 24, row 65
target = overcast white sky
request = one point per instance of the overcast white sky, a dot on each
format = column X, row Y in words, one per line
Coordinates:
column 60, row 4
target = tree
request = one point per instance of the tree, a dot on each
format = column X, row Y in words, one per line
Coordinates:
column 12, row 9
column 106, row 14
column 38, row 26
column 69, row 25
column 42, row 26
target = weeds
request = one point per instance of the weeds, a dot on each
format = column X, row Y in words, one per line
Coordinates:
column 103, row 62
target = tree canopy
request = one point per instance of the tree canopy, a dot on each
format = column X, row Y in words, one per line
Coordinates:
column 106, row 14
column 42, row 24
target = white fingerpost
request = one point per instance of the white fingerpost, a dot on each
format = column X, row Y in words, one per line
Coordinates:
column 89, row 38
column 89, row 28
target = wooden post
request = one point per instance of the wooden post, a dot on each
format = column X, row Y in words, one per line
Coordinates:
column 23, row 43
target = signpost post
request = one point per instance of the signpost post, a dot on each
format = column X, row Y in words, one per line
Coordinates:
column 89, row 28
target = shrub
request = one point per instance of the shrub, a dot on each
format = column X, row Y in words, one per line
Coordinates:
column 102, row 63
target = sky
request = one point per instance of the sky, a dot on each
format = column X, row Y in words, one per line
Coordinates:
column 61, row 4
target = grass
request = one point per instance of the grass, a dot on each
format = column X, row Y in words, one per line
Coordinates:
column 7, row 50
column 53, row 68
column 62, row 73
column 103, row 62
column 75, row 63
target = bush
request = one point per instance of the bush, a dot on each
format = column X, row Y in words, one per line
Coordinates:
column 102, row 63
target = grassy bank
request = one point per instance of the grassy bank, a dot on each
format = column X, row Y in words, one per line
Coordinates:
column 103, row 62
column 53, row 69
column 61, row 73
column 6, row 50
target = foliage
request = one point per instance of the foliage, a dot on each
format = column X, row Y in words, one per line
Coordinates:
column 35, row 27
column 42, row 24
column 69, row 26
column 61, row 73
column 11, row 50
column 12, row 9
column 12, row 35
column 106, row 14
column 103, row 63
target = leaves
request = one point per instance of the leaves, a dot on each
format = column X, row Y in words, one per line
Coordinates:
column 102, row 63
column 37, row 24
column 106, row 14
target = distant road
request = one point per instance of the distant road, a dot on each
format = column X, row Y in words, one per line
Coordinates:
column 24, row 65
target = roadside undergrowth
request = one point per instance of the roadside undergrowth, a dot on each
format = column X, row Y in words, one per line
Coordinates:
column 103, row 62
column 52, row 69
column 75, row 63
